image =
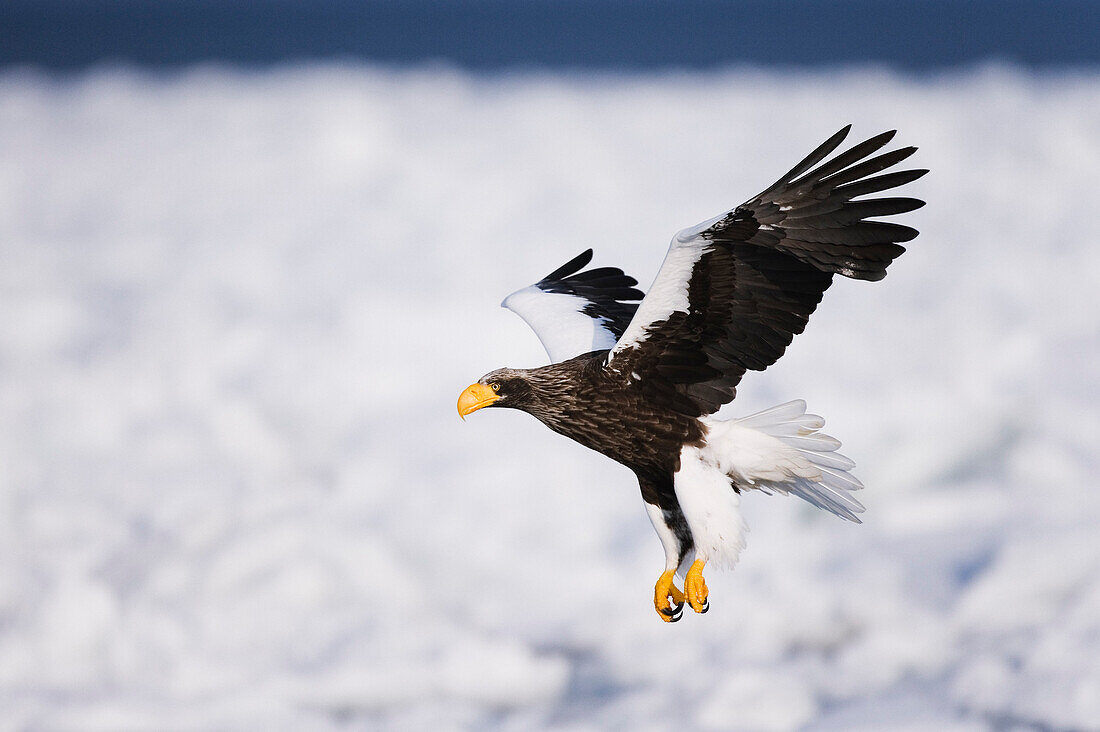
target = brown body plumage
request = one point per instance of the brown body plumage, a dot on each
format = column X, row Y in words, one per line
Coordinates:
column 606, row 412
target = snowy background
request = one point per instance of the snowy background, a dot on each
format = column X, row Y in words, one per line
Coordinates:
column 238, row 308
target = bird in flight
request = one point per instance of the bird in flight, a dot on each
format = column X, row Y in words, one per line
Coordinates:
column 637, row 377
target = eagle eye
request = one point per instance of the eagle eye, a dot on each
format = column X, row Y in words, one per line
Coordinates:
column 495, row 387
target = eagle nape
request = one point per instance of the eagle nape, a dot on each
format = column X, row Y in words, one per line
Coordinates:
column 639, row 377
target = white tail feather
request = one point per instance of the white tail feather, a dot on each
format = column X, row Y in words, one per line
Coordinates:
column 780, row 450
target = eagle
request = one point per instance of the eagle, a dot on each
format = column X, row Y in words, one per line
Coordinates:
column 638, row 377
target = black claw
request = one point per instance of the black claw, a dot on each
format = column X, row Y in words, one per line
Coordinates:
column 673, row 613
column 706, row 606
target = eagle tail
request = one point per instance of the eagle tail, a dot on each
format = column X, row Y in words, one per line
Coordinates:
column 790, row 456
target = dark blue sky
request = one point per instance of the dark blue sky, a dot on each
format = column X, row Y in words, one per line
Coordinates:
column 508, row 34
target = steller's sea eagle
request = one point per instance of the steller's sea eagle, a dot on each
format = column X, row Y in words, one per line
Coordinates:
column 635, row 376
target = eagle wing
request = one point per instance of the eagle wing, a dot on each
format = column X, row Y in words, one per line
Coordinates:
column 574, row 311
column 735, row 290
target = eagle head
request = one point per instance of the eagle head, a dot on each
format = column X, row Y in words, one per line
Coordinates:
column 500, row 388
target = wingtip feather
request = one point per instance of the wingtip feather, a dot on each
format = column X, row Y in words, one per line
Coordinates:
column 573, row 265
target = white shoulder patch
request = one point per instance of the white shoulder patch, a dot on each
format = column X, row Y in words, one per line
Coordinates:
column 669, row 292
column 560, row 322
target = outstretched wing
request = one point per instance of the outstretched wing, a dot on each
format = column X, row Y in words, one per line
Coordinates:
column 734, row 291
column 573, row 311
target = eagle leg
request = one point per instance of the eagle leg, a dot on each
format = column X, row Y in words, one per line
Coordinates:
column 664, row 590
column 695, row 587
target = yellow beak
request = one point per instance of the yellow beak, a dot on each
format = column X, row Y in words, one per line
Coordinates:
column 474, row 398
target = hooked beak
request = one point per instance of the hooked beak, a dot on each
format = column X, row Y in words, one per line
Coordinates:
column 474, row 398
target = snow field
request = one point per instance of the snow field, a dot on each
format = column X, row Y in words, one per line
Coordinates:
column 234, row 493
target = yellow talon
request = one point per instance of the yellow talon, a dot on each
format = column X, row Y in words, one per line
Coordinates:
column 695, row 587
column 664, row 590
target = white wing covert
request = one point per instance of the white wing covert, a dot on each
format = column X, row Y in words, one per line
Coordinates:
column 573, row 311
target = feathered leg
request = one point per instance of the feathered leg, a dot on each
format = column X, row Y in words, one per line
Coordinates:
column 672, row 531
column 711, row 509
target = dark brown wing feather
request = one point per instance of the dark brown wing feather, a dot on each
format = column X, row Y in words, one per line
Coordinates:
column 764, row 268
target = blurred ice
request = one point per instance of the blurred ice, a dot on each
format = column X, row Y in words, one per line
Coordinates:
column 234, row 493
